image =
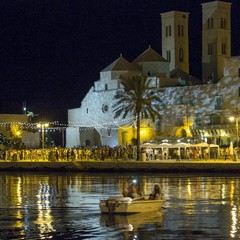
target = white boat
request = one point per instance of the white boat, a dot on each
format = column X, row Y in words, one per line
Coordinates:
column 127, row 205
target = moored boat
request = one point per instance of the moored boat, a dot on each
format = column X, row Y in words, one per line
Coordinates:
column 127, row 205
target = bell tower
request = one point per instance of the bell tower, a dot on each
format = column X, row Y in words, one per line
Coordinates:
column 175, row 46
column 216, row 38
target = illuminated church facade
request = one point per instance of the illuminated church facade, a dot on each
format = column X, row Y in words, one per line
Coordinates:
column 190, row 108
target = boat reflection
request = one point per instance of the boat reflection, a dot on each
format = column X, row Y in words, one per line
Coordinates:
column 131, row 223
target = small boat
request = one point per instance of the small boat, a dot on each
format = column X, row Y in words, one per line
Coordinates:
column 127, row 205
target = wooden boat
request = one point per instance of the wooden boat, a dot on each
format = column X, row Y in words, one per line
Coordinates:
column 127, row 205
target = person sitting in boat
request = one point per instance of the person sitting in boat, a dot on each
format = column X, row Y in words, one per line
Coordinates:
column 156, row 194
column 125, row 189
column 132, row 191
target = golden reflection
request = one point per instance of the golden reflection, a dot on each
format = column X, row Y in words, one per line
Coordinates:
column 25, row 192
column 45, row 219
column 19, row 215
column 232, row 190
column 189, row 188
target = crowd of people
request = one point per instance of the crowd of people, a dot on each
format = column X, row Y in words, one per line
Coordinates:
column 187, row 153
column 176, row 153
column 67, row 154
column 105, row 152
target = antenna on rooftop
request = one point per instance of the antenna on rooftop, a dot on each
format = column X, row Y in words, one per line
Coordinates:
column 24, row 107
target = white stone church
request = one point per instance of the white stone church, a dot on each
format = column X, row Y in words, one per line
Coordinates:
column 190, row 107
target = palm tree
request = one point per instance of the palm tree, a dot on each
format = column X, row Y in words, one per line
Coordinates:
column 137, row 99
column 31, row 115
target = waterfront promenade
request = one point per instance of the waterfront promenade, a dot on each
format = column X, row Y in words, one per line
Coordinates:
column 189, row 166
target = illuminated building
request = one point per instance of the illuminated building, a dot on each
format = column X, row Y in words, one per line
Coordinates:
column 190, row 107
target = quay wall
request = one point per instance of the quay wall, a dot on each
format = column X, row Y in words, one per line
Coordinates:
column 124, row 166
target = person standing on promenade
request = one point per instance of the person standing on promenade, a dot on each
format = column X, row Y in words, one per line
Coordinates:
column 178, row 152
column 194, row 153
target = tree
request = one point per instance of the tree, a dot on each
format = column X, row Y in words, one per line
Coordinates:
column 137, row 99
column 31, row 115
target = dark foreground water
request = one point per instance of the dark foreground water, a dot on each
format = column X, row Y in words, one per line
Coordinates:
column 65, row 206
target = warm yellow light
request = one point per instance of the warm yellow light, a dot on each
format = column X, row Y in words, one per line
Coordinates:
column 39, row 125
column 143, row 132
column 231, row 118
column 16, row 131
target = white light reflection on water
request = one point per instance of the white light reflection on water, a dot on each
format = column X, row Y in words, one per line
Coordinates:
column 44, row 218
column 234, row 221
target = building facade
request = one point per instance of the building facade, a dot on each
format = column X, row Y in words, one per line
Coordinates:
column 189, row 108
column 13, row 126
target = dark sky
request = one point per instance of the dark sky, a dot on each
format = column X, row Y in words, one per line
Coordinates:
column 53, row 50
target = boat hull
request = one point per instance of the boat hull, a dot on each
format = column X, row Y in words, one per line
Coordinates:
column 125, row 205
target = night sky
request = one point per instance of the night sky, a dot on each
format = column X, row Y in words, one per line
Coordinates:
column 53, row 50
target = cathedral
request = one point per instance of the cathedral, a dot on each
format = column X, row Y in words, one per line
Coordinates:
column 191, row 108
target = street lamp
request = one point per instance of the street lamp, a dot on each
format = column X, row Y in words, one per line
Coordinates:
column 42, row 126
column 236, row 119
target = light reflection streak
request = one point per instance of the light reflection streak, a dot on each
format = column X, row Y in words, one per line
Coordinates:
column 223, row 191
column 45, row 219
column 234, row 221
column 189, row 188
column 19, row 215
column 232, row 190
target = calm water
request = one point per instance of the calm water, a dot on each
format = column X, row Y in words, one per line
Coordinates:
column 65, row 206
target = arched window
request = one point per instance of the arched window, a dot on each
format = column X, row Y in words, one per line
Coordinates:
column 210, row 48
column 166, row 31
column 179, row 30
column 182, row 30
column 223, row 23
column 224, row 48
column 210, row 23
column 170, row 30
column 169, row 56
column 106, row 87
column 180, row 55
column 183, row 133
column 88, row 143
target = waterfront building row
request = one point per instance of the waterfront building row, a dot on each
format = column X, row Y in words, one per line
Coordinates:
column 198, row 109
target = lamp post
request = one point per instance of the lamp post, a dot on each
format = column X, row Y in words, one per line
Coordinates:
column 42, row 126
column 236, row 121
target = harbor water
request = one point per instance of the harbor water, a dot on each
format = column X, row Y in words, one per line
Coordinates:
column 65, row 205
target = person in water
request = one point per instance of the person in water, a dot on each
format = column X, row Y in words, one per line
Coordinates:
column 156, row 194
